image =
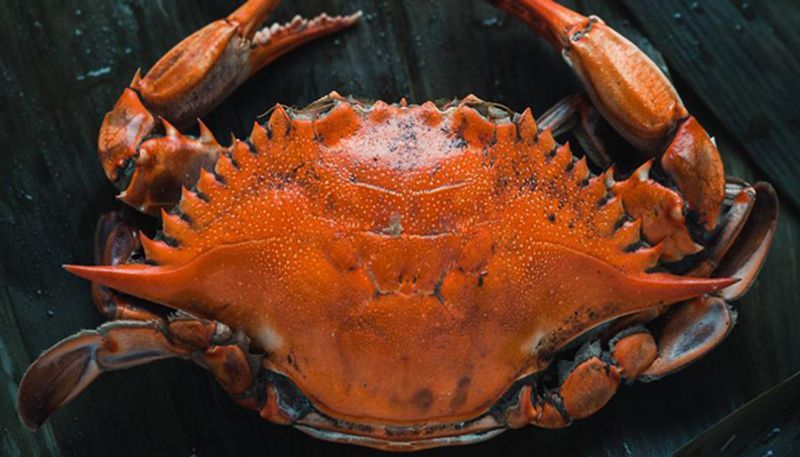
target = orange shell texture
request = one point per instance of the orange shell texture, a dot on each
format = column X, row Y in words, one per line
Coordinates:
column 403, row 264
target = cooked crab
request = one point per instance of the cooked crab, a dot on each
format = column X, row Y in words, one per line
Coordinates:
column 408, row 276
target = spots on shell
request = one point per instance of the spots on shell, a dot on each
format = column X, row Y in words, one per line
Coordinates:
column 422, row 400
column 461, row 393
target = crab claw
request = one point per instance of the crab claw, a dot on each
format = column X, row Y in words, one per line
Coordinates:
column 189, row 81
column 624, row 84
column 203, row 69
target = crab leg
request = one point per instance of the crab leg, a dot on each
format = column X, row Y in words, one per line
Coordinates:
column 592, row 379
column 695, row 327
column 746, row 248
column 149, row 162
column 66, row 369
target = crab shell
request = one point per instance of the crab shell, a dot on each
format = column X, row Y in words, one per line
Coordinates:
column 403, row 276
column 402, row 264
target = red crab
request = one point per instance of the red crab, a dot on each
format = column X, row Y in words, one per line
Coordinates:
column 404, row 276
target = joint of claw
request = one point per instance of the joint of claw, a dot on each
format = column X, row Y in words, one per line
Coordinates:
column 579, row 34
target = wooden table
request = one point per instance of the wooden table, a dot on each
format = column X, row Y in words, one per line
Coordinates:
column 64, row 64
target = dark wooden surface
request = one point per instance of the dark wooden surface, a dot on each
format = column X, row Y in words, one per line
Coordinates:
column 768, row 425
column 63, row 64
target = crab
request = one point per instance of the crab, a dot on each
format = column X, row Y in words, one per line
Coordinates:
column 409, row 276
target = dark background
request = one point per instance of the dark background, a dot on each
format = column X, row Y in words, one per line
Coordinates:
column 64, row 63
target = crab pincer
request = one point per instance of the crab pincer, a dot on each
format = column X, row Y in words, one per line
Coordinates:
column 140, row 148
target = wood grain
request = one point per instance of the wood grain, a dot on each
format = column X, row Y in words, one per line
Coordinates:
column 63, row 64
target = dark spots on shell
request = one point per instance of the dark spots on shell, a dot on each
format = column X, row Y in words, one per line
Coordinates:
column 462, row 390
column 408, row 135
column 422, row 400
column 530, row 184
column 576, row 323
column 459, row 143
column 552, row 218
column 437, row 289
column 281, row 180
column 554, row 188
column 459, row 133
column 481, row 277
column 488, row 160
column 500, row 184
column 493, row 140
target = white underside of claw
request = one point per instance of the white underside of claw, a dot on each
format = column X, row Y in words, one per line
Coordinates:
column 299, row 24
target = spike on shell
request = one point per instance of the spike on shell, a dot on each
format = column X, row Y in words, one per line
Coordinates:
column 526, row 125
column 340, row 122
column 472, row 127
column 280, row 124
